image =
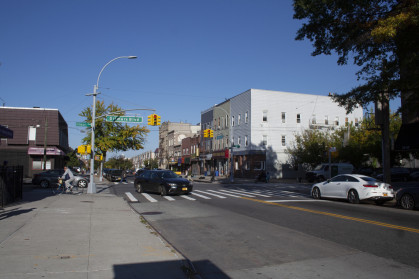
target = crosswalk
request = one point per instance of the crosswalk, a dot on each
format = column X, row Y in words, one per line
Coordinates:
column 209, row 194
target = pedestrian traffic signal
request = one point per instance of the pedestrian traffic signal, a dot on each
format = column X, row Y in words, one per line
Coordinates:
column 211, row 133
column 150, row 119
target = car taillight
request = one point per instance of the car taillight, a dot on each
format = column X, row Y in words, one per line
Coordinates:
column 370, row 185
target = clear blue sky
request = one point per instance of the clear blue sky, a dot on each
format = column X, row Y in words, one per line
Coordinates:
column 192, row 55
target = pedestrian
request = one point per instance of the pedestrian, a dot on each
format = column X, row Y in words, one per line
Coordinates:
column 268, row 176
column 68, row 177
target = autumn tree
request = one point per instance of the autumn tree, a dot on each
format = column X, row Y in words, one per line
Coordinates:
column 113, row 136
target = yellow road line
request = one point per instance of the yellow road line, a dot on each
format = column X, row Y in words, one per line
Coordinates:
column 336, row 215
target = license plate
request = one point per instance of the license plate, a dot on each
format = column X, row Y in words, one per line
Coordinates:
column 384, row 194
column 184, row 189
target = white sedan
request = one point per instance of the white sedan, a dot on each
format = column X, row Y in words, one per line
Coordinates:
column 354, row 188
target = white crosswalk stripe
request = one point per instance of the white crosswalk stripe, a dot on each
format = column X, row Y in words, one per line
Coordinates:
column 148, row 197
column 169, row 198
column 188, row 198
column 234, row 192
column 218, row 196
column 201, row 196
column 231, row 195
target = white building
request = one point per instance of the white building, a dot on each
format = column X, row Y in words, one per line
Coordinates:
column 264, row 123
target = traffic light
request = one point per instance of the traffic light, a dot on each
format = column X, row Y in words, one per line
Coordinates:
column 150, row 119
column 84, row 149
column 157, row 120
column 211, row 133
column 205, row 133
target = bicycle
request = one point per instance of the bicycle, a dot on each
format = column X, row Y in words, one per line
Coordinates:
column 61, row 189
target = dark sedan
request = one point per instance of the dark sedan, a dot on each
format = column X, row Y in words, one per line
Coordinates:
column 164, row 182
column 50, row 177
column 408, row 197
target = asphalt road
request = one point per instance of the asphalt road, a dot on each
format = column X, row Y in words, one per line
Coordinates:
column 278, row 231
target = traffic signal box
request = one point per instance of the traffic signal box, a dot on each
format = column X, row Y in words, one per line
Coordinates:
column 154, row 120
column 208, row 133
column 84, row 149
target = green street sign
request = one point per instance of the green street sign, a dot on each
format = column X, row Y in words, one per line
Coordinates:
column 83, row 124
column 238, row 146
column 125, row 119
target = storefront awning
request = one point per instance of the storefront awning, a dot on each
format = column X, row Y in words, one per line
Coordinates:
column 50, row 151
column 408, row 137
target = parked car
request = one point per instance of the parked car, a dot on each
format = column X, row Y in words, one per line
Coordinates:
column 354, row 188
column 321, row 172
column 50, row 177
column 408, row 197
column 164, row 182
column 414, row 175
column 397, row 174
column 114, row 175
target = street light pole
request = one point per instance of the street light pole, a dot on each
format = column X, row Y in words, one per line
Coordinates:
column 91, row 189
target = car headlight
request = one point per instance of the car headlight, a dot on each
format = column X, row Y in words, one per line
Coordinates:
column 173, row 185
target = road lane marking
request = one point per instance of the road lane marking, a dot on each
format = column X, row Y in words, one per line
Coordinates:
column 337, row 215
column 131, row 197
column 211, row 194
column 187, row 197
column 148, row 197
column 201, row 196
column 169, row 198
column 279, row 201
column 235, row 192
column 231, row 195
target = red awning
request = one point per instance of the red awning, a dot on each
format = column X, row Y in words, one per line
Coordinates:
column 40, row 151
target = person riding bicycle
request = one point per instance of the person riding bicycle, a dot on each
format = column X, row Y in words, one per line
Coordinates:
column 69, row 177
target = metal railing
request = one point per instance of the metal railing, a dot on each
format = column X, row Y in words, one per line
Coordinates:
column 11, row 184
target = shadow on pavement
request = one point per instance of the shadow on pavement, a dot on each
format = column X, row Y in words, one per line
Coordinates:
column 159, row 270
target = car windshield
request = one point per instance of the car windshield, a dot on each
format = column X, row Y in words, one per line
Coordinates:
column 319, row 167
column 168, row 174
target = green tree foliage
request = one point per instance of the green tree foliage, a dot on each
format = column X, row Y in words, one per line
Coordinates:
column 380, row 35
column 72, row 160
column 113, row 136
column 362, row 149
column 151, row 164
column 119, row 163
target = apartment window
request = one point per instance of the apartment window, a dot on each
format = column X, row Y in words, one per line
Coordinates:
column 313, row 119
column 265, row 116
column 356, row 122
column 246, row 140
column 264, row 140
column 337, row 120
column 32, row 133
column 239, row 117
column 283, row 117
column 298, row 118
column 239, row 140
column 326, row 120
column 283, row 141
column 246, row 117
column 232, row 121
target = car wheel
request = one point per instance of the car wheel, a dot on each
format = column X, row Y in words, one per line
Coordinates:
column 353, row 196
column 316, row 193
column 139, row 188
column 82, row 183
column 163, row 191
column 44, row 184
column 407, row 202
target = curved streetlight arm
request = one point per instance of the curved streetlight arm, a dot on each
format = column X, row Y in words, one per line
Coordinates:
column 100, row 73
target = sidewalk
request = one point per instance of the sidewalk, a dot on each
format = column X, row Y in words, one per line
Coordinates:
column 81, row 236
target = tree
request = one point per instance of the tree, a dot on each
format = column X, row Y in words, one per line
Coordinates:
column 113, row 136
column 381, row 35
column 119, row 162
column 151, row 164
